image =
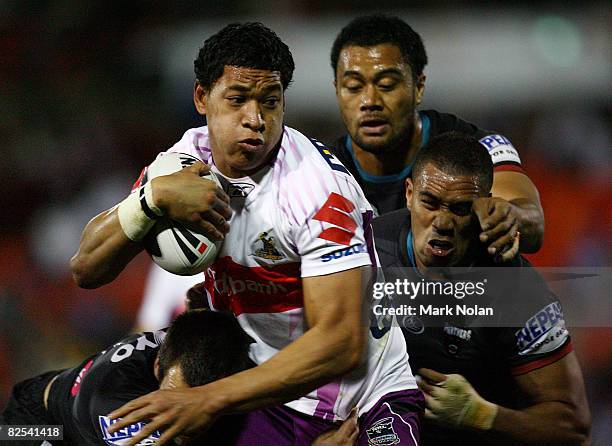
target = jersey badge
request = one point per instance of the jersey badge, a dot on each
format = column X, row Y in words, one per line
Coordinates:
column 266, row 247
column 124, row 435
column 381, row 433
column 413, row 324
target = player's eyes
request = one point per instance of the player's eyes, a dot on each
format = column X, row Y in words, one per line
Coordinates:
column 353, row 87
column 387, row 86
column 461, row 209
column 271, row 102
column 236, row 100
column 428, row 204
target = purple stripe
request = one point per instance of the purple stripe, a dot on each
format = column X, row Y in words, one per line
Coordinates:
column 327, row 395
column 367, row 234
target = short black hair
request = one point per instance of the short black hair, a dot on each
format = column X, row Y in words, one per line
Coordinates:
column 377, row 29
column 248, row 45
column 458, row 154
column 207, row 345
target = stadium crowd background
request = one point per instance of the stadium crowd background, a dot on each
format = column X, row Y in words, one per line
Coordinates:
column 91, row 91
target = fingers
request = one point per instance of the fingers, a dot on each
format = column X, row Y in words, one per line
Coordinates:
column 431, row 403
column 432, row 376
column 509, row 253
column 504, row 241
column 199, row 168
column 492, row 224
column 350, row 425
column 196, row 297
column 124, row 410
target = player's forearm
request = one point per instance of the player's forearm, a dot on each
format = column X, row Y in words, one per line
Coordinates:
column 316, row 358
column 544, row 423
column 531, row 224
column 104, row 251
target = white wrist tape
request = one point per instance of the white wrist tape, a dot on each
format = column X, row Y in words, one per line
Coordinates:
column 133, row 213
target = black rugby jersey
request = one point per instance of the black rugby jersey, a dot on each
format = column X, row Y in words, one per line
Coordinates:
column 82, row 397
column 387, row 193
column 487, row 356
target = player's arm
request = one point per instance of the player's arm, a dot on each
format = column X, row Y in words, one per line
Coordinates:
column 113, row 238
column 518, row 189
column 330, row 348
column 558, row 412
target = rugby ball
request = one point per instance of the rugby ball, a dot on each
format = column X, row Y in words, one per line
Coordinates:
column 169, row 243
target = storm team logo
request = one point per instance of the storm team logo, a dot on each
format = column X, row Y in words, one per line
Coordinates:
column 268, row 249
column 381, row 433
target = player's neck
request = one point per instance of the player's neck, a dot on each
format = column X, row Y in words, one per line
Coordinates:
column 396, row 159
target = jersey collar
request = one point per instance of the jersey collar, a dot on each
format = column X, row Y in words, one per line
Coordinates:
column 404, row 173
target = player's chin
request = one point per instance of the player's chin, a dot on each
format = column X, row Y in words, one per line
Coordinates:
column 374, row 143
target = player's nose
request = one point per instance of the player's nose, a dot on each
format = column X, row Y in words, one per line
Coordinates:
column 252, row 116
column 370, row 99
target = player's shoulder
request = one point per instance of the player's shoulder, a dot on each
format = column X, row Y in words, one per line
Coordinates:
column 502, row 152
column 304, row 150
column 195, row 141
column 310, row 169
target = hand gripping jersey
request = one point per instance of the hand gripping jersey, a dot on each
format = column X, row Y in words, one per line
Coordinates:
column 301, row 215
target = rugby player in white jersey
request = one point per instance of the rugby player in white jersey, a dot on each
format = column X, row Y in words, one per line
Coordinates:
column 291, row 267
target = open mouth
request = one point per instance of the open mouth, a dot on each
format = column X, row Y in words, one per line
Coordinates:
column 374, row 125
column 440, row 248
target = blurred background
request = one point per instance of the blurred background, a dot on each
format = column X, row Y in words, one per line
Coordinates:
column 91, row 91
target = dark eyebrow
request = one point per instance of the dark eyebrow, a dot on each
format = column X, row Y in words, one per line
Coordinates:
column 245, row 89
column 428, row 195
column 383, row 73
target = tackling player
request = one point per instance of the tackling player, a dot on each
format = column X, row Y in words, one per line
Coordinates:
column 378, row 64
column 290, row 269
column 518, row 384
column 199, row 347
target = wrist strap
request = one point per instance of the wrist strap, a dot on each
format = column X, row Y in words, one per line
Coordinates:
column 133, row 219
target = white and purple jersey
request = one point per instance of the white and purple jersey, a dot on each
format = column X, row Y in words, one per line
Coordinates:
column 301, row 215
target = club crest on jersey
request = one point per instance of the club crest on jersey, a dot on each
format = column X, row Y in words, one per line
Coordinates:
column 124, row 435
column 381, row 433
column 266, row 247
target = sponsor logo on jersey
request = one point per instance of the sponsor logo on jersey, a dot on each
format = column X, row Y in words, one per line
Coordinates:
column 500, row 149
column 491, row 142
column 267, row 249
column 122, row 436
column 343, row 252
column 337, row 211
column 381, row 433
column 228, row 285
column 543, row 332
column 461, row 333
column 329, row 158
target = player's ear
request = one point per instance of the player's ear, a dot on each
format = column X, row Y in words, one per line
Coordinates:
column 199, row 98
column 420, row 88
column 156, row 367
column 409, row 192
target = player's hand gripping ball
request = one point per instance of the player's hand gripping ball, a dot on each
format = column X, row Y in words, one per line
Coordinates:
column 169, row 243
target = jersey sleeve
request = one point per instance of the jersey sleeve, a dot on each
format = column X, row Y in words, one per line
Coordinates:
column 543, row 338
column 333, row 233
column 503, row 154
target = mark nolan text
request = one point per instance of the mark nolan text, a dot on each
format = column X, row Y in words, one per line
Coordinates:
column 432, row 310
